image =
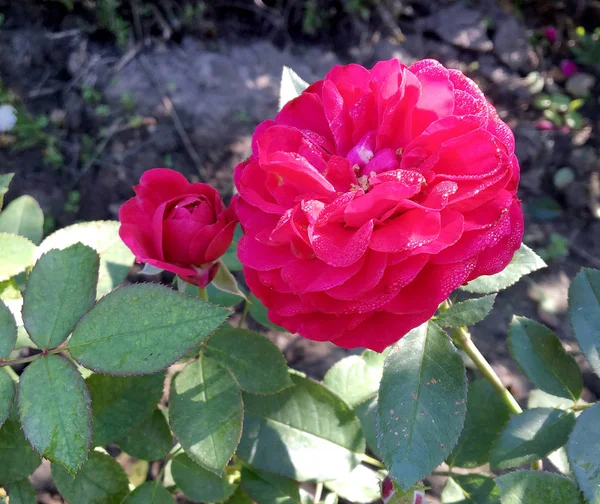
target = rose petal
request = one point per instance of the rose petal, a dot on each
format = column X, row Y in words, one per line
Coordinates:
column 338, row 245
column 412, row 229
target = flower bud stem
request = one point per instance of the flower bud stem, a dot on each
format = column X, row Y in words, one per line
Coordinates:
column 318, row 493
column 371, row 461
column 202, row 294
column 244, row 313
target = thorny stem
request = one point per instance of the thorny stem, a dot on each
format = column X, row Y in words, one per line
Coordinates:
column 244, row 313
column 581, row 407
column 23, row 360
column 371, row 461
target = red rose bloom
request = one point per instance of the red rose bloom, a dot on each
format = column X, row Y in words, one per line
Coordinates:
column 177, row 226
column 371, row 197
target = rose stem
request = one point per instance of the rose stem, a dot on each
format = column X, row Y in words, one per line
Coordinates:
column 462, row 338
column 244, row 313
column 318, row 492
column 371, row 461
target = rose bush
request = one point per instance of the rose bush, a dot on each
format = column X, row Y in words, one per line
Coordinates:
column 177, row 226
column 372, row 196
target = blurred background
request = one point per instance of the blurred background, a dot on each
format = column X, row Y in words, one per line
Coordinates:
column 105, row 89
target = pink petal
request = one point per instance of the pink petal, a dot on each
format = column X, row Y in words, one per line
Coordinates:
column 259, row 256
column 411, row 230
column 219, row 245
column 338, row 245
column 371, row 272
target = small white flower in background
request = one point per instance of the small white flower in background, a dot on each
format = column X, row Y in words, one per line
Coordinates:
column 8, row 118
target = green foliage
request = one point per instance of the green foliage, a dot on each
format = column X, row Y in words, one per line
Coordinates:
column 132, row 329
column 486, row 416
column 206, row 413
column 362, row 485
column 306, row 432
column 151, row 440
column 560, row 109
column 103, row 236
column 84, row 487
column 198, row 483
column 17, row 255
column 7, row 395
column 525, row 261
column 57, row 422
column 149, row 493
column 22, row 492
column 422, row 404
column 4, row 183
column 71, row 274
column 543, row 359
column 122, row 403
column 23, row 217
column 467, row 313
column 356, row 378
column 536, row 487
column 470, row 489
column 587, row 49
column 291, row 86
column 584, row 453
column 255, row 362
column 584, row 313
column 8, row 331
column 17, row 458
column 531, row 435
column 267, row 487
column 558, row 248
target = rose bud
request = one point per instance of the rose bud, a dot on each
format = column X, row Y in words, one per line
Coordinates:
column 371, row 197
column 391, row 495
column 177, row 226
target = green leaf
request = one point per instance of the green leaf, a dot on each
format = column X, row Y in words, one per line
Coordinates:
column 240, row 497
column 23, row 217
column 530, row 436
column 543, row 359
column 17, row 255
column 206, row 413
column 355, row 379
column 422, row 404
column 525, row 261
column 540, row 399
column 260, row 315
column 583, row 450
column 151, row 492
column 198, row 483
column 292, row 86
column 559, row 102
column 60, row 290
column 142, row 329
column 151, row 440
column 467, row 313
column 305, row 432
column 257, row 364
column 359, row 486
column 268, row 488
column 17, row 459
column 331, row 498
column 536, row 487
column 367, row 415
column 103, row 236
column 54, row 406
column 226, row 282
column 584, row 312
column 4, row 183
column 7, row 395
column 22, row 492
column 560, row 460
column 486, row 416
column 122, row 403
column 470, row 489
column 101, row 480
column 221, row 298
column 8, row 331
